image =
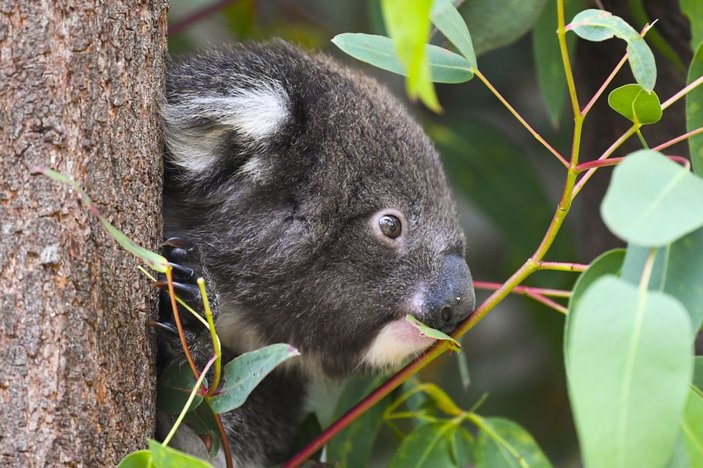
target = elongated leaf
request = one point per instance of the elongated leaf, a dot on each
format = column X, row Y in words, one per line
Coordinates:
column 172, row 458
column 173, row 389
column 154, row 260
column 408, row 24
column 463, row 447
column 545, row 47
column 432, row 333
column 245, row 372
column 430, row 445
column 608, row 263
column 138, row 459
column 698, row 372
column 629, row 370
column 504, row 443
column 693, row 426
column 202, row 421
column 694, row 112
column 445, row 66
column 694, row 10
column 635, row 104
column 599, row 25
column 497, row 23
column 649, row 200
column 635, row 259
column 450, row 23
column 352, row 447
column 485, row 164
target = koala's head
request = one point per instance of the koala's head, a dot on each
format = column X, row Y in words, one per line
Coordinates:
column 320, row 206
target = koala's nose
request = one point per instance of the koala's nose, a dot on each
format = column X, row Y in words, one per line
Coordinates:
column 451, row 298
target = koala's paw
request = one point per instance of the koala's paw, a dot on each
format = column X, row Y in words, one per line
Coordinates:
column 185, row 259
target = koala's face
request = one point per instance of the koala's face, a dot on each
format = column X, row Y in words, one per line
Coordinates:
column 320, row 207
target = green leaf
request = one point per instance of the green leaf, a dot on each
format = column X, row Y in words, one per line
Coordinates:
column 169, row 457
column 138, row 459
column 445, row 66
column 608, row 263
column 430, row 445
column 463, row 447
column 450, row 23
column 202, row 421
column 485, row 163
column 694, row 10
column 352, row 447
column 679, row 456
column 692, row 426
column 649, row 200
column 599, row 25
column 547, row 56
column 408, row 24
column 629, row 368
column 243, row 373
column 154, row 260
column 432, row 333
column 698, row 372
column 635, row 104
column 174, row 386
column 497, row 23
column 635, row 259
column 306, row 433
column 505, row 444
column 694, row 112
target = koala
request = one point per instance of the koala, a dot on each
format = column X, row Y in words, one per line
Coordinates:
column 319, row 215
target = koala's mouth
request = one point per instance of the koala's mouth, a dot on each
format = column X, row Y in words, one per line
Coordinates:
column 396, row 341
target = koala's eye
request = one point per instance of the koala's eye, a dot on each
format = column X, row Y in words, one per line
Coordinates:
column 390, row 226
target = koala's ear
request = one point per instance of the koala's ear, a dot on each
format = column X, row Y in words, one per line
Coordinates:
column 198, row 127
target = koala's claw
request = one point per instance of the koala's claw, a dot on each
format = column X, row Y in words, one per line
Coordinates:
column 187, row 292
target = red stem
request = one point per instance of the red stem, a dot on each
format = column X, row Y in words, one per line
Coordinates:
column 548, row 302
column 179, row 326
column 678, row 139
column 524, row 290
column 615, row 161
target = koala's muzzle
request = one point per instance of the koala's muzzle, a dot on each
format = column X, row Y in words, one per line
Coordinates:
column 450, row 298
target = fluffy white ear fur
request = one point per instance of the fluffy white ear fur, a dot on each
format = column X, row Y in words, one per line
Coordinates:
column 255, row 113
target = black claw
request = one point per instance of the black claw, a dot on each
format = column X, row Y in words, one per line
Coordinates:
column 164, row 327
column 187, row 292
column 182, row 273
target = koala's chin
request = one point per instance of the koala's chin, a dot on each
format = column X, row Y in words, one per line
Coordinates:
column 317, row 211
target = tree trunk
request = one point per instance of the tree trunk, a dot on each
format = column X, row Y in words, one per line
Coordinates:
column 80, row 83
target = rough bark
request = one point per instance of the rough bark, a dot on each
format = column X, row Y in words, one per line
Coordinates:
column 80, row 82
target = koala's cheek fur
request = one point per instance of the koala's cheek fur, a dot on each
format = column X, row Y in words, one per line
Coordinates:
column 396, row 341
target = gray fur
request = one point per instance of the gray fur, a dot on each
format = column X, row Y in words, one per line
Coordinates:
column 279, row 203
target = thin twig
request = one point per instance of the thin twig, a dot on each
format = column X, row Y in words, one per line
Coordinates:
column 563, row 266
column 694, row 84
column 548, row 302
column 523, row 289
column 678, row 139
column 519, row 118
column 604, row 86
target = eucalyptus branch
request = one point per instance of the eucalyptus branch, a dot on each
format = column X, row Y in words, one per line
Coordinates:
column 604, row 86
column 217, row 348
column 548, row 302
column 563, row 266
column 519, row 118
column 693, row 85
column 179, row 325
column 524, row 290
column 678, row 139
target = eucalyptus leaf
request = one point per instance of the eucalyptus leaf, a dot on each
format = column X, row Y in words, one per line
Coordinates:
column 138, row 459
column 629, row 368
column 174, row 387
column 165, row 456
column 693, row 9
column 694, row 112
column 463, row 447
column 692, row 426
column 504, row 443
column 497, row 23
column 432, row 333
column 408, row 24
column 599, row 25
column 608, row 263
column 449, row 21
column 635, row 104
column 649, row 200
column 352, row 447
column 445, row 66
column 245, row 372
column 430, row 445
